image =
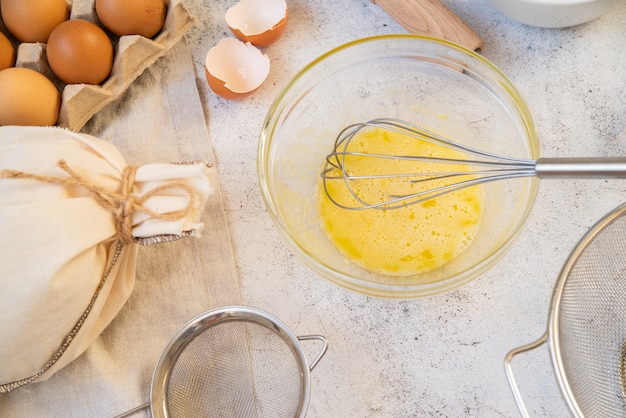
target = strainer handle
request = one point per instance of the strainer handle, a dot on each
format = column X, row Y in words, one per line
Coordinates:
column 509, row 371
column 134, row 410
column 321, row 353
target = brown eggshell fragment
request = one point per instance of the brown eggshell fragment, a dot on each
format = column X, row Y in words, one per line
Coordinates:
column 33, row 20
column 235, row 69
column 260, row 22
column 79, row 52
column 27, row 98
column 7, row 52
column 132, row 17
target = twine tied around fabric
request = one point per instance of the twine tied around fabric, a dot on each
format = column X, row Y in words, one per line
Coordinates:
column 121, row 204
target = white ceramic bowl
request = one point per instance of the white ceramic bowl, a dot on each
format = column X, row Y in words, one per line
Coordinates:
column 553, row 13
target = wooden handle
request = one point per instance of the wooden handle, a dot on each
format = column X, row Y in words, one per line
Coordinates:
column 432, row 18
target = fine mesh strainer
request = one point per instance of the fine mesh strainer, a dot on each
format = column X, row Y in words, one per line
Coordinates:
column 233, row 361
column 587, row 323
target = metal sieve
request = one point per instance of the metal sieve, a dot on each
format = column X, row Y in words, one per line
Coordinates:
column 233, row 361
column 587, row 323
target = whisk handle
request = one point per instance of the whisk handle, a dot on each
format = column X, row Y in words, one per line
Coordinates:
column 589, row 168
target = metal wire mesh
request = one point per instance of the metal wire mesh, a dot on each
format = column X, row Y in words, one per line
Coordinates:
column 235, row 369
column 591, row 320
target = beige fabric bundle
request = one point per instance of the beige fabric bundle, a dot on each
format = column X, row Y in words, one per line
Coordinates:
column 71, row 214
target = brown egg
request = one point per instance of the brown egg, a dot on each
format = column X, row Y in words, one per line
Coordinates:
column 136, row 17
column 33, row 20
column 27, row 98
column 7, row 52
column 79, row 52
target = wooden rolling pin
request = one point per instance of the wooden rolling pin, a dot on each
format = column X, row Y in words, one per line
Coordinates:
column 432, row 18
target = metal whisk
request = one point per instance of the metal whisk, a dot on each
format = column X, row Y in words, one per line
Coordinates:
column 472, row 167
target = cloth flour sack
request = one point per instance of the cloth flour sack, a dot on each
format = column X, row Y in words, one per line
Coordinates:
column 72, row 215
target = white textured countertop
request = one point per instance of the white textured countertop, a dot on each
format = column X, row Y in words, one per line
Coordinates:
column 440, row 356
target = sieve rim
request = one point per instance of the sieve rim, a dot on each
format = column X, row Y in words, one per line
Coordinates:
column 553, row 340
column 211, row 318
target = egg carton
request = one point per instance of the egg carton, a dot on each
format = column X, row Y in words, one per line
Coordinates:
column 133, row 55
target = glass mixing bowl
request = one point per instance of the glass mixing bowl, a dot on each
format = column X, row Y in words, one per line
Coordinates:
column 428, row 81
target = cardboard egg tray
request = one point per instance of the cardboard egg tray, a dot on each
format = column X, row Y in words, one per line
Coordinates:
column 133, row 54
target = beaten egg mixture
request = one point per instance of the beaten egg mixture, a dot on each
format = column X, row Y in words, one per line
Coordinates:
column 404, row 241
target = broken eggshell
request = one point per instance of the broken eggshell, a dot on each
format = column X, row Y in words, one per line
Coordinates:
column 234, row 69
column 260, row 22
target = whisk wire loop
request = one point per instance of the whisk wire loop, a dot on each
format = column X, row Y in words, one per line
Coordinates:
column 479, row 167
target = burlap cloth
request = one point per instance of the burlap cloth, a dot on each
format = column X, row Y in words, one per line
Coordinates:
column 159, row 119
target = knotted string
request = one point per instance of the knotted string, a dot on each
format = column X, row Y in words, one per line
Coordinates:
column 121, row 204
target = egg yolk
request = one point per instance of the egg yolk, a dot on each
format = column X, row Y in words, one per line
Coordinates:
column 403, row 241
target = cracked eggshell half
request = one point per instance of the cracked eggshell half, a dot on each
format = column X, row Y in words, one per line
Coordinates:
column 260, row 22
column 235, row 69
